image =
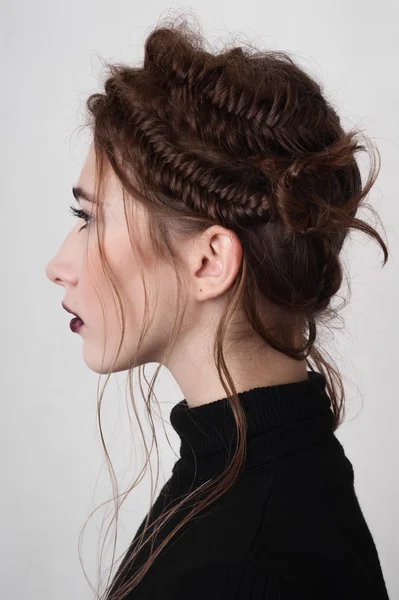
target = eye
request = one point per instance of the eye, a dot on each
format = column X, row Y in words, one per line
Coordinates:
column 80, row 214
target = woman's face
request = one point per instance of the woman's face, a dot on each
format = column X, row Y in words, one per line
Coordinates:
column 82, row 276
column 212, row 260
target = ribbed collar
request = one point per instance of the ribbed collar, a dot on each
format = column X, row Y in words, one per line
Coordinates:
column 282, row 419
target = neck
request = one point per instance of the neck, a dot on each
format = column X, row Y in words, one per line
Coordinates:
column 199, row 380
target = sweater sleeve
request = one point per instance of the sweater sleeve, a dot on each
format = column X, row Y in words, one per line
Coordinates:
column 236, row 582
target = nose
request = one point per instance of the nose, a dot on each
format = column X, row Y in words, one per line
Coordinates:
column 51, row 272
column 63, row 268
column 61, row 272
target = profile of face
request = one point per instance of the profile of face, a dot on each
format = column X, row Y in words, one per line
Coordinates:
column 77, row 268
column 211, row 260
column 211, row 268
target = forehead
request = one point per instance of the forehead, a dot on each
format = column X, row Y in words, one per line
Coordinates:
column 88, row 171
column 110, row 188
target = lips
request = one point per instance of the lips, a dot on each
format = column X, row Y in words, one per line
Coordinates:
column 71, row 311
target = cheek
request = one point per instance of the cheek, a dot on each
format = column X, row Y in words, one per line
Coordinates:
column 126, row 276
column 94, row 290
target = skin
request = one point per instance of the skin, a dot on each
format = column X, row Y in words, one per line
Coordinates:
column 212, row 261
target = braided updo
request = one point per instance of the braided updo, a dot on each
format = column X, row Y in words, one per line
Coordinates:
column 246, row 140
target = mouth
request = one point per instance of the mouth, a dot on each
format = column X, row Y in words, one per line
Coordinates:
column 71, row 311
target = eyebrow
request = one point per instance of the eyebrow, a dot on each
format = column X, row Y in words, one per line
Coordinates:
column 80, row 193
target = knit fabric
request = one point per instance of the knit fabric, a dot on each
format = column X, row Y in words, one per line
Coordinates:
column 290, row 527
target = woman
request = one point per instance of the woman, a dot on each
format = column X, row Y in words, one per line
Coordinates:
column 217, row 195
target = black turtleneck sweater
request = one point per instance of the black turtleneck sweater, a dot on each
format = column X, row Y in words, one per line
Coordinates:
column 290, row 528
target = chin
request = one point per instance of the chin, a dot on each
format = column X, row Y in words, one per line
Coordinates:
column 94, row 360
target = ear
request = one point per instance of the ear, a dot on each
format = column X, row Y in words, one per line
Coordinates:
column 216, row 259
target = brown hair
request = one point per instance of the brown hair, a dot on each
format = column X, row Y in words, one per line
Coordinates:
column 245, row 139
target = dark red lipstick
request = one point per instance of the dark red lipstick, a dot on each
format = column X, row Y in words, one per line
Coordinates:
column 75, row 323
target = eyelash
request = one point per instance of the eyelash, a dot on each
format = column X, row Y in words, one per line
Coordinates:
column 80, row 214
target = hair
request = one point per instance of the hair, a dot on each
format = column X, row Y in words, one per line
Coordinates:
column 245, row 139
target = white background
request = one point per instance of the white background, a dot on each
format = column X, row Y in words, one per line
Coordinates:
column 52, row 469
